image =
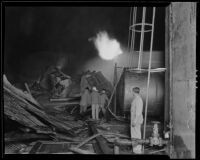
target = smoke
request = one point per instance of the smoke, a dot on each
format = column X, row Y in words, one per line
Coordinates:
column 62, row 62
column 108, row 48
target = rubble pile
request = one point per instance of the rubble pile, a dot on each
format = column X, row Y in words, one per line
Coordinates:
column 48, row 111
column 60, row 85
column 21, row 107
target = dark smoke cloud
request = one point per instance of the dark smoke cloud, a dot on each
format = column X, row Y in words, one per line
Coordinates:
column 34, row 36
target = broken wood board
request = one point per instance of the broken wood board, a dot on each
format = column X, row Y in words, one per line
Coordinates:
column 27, row 88
column 49, row 147
column 63, row 137
column 19, row 92
column 80, row 151
column 62, row 99
column 18, row 137
column 101, row 141
column 16, row 108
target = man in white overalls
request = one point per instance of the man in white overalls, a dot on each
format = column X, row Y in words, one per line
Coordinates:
column 136, row 118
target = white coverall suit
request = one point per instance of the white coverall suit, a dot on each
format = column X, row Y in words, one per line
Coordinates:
column 137, row 119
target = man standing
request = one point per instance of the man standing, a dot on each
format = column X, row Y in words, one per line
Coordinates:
column 103, row 101
column 136, row 118
column 85, row 101
column 95, row 103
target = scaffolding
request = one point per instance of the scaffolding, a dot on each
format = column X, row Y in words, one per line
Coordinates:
column 131, row 47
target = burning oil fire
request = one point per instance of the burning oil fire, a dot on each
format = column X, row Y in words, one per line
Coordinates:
column 107, row 47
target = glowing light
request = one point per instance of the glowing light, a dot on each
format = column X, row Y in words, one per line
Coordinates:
column 107, row 47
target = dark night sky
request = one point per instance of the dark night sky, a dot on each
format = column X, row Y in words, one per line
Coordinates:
column 37, row 35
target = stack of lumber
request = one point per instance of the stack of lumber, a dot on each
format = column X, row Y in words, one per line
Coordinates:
column 19, row 107
column 19, row 92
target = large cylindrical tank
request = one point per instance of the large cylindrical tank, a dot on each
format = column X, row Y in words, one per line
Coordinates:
column 132, row 79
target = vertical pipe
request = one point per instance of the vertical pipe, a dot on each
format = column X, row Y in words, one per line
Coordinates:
column 142, row 37
column 114, row 82
column 133, row 36
column 130, row 50
column 129, row 30
column 149, row 68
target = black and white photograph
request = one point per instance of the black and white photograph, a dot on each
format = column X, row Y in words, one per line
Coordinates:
column 97, row 79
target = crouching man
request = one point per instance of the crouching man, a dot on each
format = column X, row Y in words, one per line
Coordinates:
column 136, row 118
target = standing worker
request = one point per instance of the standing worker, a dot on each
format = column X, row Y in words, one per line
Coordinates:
column 103, row 101
column 136, row 118
column 84, row 83
column 95, row 103
column 85, row 100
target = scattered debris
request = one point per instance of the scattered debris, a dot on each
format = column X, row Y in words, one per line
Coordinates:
column 101, row 141
column 57, row 119
column 27, row 113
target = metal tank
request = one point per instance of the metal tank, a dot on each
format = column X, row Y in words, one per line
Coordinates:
column 132, row 79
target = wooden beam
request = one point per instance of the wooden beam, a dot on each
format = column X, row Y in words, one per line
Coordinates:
column 101, row 141
column 27, row 88
column 35, row 148
column 120, row 142
column 61, row 99
column 87, row 140
column 80, row 151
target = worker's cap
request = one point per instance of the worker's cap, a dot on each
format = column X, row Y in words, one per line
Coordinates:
column 94, row 88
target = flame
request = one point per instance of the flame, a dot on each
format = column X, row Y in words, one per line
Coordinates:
column 107, row 47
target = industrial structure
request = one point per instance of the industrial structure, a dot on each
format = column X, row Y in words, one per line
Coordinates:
column 167, row 82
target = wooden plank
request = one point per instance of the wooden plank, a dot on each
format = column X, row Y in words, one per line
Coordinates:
column 101, row 141
column 18, row 92
column 33, row 112
column 27, row 88
column 87, row 140
column 61, row 99
column 80, row 151
column 26, row 136
column 14, row 110
column 63, row 137
column 35, row 148
column 31, row 116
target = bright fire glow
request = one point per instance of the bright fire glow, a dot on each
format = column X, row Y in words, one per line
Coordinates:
column 108, row 48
